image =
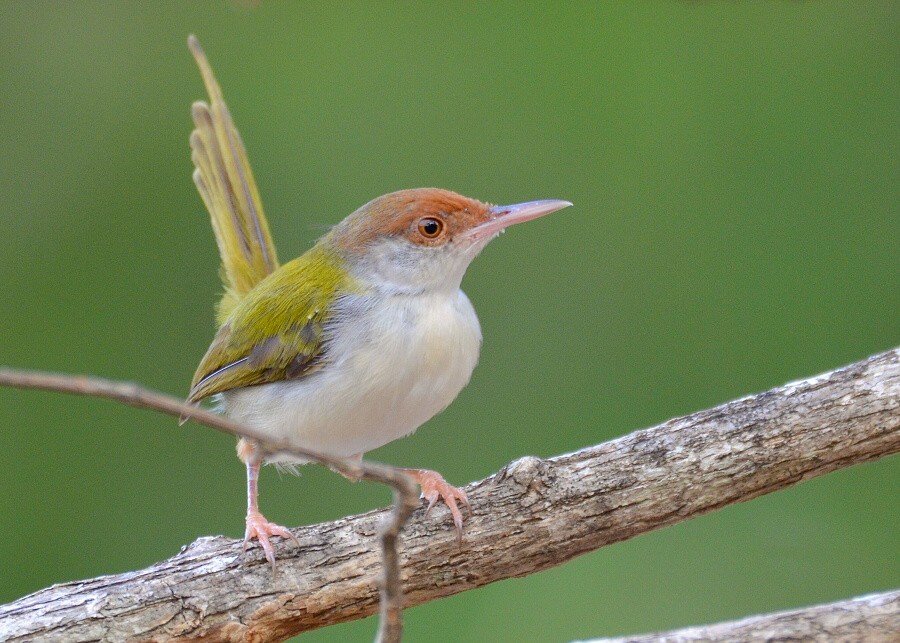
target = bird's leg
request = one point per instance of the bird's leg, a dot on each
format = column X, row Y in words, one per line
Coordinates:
column 435, row 488
column 257, row 525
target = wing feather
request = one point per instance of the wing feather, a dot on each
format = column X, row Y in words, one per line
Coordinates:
column 279, row 331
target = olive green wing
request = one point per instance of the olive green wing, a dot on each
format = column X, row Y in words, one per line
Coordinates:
column 232, row 363
column 225, row 181
column 277, row 331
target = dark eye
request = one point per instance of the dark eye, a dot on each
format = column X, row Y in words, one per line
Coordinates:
column 430, row 227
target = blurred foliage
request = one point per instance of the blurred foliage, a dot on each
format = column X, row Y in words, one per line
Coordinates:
column 734, row 169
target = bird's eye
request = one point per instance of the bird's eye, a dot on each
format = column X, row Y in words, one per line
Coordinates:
column 430, row 227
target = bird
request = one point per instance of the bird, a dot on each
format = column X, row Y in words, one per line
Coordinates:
column 357, row 342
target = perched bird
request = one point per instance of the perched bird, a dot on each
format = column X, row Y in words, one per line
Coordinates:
column 354, row 344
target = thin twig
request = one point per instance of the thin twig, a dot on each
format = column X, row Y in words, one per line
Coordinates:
column 404, row 488
column 532, row 515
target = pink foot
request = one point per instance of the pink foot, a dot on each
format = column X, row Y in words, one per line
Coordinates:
column 261, row 529
column 435, row 488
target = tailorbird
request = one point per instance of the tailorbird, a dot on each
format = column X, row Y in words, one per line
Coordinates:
column 357, row 342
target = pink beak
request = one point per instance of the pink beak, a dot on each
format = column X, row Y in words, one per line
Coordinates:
column 507, row 215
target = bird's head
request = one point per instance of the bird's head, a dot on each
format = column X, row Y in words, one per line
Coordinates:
column 423, row 240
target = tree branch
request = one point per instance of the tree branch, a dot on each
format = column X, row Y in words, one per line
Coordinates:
column 404, row 489
column 874, row 617
column 531, row 515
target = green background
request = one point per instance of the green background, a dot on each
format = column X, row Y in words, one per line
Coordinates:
column 735, row 178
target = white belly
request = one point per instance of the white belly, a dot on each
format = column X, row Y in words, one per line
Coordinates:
column 389, row 370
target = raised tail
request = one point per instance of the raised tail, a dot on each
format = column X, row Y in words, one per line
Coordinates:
column 225, row 182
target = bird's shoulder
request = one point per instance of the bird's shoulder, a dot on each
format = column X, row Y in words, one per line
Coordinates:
column 277, row 331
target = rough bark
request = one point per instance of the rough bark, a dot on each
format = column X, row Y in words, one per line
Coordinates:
column 531, row 515
column 871, row 618
column 390, row 626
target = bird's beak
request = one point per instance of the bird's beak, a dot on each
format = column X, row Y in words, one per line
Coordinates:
column 503, row 216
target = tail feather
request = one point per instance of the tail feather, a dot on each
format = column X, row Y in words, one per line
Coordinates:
column 225, row 182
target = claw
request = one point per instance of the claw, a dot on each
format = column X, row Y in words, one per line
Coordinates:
column 261, row 529
column 435, row 488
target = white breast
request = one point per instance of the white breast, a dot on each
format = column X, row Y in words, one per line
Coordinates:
column 393, row 363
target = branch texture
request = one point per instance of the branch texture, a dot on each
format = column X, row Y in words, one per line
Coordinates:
column 531, row 515
column 874, row 617
column 390, row 625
